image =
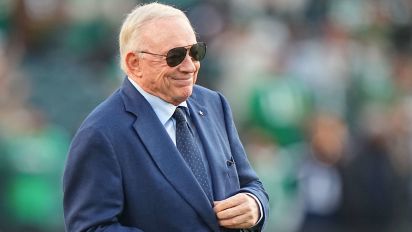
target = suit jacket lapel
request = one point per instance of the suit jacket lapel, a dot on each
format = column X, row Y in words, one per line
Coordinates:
column 165, row 154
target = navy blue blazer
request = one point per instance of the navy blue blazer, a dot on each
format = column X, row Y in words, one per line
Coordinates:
column 123, row 172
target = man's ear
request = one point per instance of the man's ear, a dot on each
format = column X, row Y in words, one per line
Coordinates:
column 133, row 64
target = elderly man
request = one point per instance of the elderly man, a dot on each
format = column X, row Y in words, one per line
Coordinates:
column 161, row 153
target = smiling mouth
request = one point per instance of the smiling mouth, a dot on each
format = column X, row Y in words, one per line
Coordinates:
column 182, row 81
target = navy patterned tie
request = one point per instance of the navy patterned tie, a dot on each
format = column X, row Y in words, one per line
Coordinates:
column 186, row 144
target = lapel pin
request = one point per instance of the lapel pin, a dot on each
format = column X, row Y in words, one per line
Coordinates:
column 201, row 113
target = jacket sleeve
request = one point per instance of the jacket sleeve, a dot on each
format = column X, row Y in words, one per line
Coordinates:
column 92, row 185
column 249, row 182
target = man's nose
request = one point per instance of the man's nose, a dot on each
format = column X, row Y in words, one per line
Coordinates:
column 188, row 65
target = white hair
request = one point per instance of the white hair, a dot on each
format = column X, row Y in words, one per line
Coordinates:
column 130, row 32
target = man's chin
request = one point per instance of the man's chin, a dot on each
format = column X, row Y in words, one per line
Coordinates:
column 183, row 96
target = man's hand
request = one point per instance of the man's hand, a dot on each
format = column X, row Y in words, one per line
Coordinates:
column 240, row 211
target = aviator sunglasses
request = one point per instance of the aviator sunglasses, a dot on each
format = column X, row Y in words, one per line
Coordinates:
column 175, row 56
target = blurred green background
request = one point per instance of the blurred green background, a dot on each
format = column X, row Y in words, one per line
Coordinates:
column 321, row 92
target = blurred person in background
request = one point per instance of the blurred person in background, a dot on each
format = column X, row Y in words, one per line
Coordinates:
column 136, row 164
column 32, row 162
column 320, row 174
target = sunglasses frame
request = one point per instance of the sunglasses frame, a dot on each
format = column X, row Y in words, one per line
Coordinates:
column 174, row 60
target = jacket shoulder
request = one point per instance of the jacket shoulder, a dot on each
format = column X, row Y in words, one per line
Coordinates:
column 106, row 114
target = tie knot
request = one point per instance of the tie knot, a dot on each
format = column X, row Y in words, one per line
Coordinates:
column 179, row 115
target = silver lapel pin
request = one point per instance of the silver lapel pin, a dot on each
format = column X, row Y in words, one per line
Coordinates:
column 201, row 113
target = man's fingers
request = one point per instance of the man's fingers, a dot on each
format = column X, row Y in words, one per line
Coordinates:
column 241, row 221
column 238, row 211
column 232, row 212
column 230, row 202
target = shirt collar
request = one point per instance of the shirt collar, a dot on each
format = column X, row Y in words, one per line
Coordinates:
column 163, row 109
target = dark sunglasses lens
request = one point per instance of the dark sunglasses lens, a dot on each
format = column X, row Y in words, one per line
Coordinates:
column 198, row 51
column 175, row 56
